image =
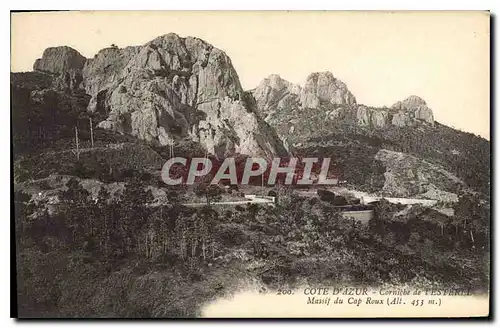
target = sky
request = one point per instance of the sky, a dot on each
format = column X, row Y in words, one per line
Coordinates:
column 383, row 57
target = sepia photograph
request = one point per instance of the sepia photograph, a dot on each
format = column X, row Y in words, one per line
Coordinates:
column 250, row 164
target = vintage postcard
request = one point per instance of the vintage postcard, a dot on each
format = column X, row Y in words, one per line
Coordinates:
column 251, row 164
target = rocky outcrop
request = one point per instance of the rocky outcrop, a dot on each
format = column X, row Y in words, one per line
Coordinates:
column 58, row 60
column 176, row 87
column 275, row 94
column 363, row 115
column 65, row 64
column 324, row 88
column 410, row 103
column 103, row 70
column 377, row 118
column 321, row 89
column 170, row 88
column 413, row 108
column 409, row 112
column 372, row 117
column 401, row 119
column 68, row 81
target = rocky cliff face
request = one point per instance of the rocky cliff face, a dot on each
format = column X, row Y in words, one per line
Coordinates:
column 170, row 88
column 65, row 64
column 325, row 102
column 58, row 60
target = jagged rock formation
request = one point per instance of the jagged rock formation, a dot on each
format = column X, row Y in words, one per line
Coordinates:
column 285, row 106
column 102, row 70
column 323, row 88
column 65, row 64
column 58, row 60
column 170, row 88
column 415, row 108
column 409, row 112
column 297, row 112
column 274, row 93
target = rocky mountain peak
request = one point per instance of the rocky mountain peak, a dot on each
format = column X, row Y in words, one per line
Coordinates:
column 410, row 103
column 275, row 82
column 65, row 64
column 285, row 107
column 275, row 93
column 412, row 108
column 59, row 59
column 324, row 88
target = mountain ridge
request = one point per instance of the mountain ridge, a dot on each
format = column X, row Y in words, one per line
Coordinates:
column 323, row 91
